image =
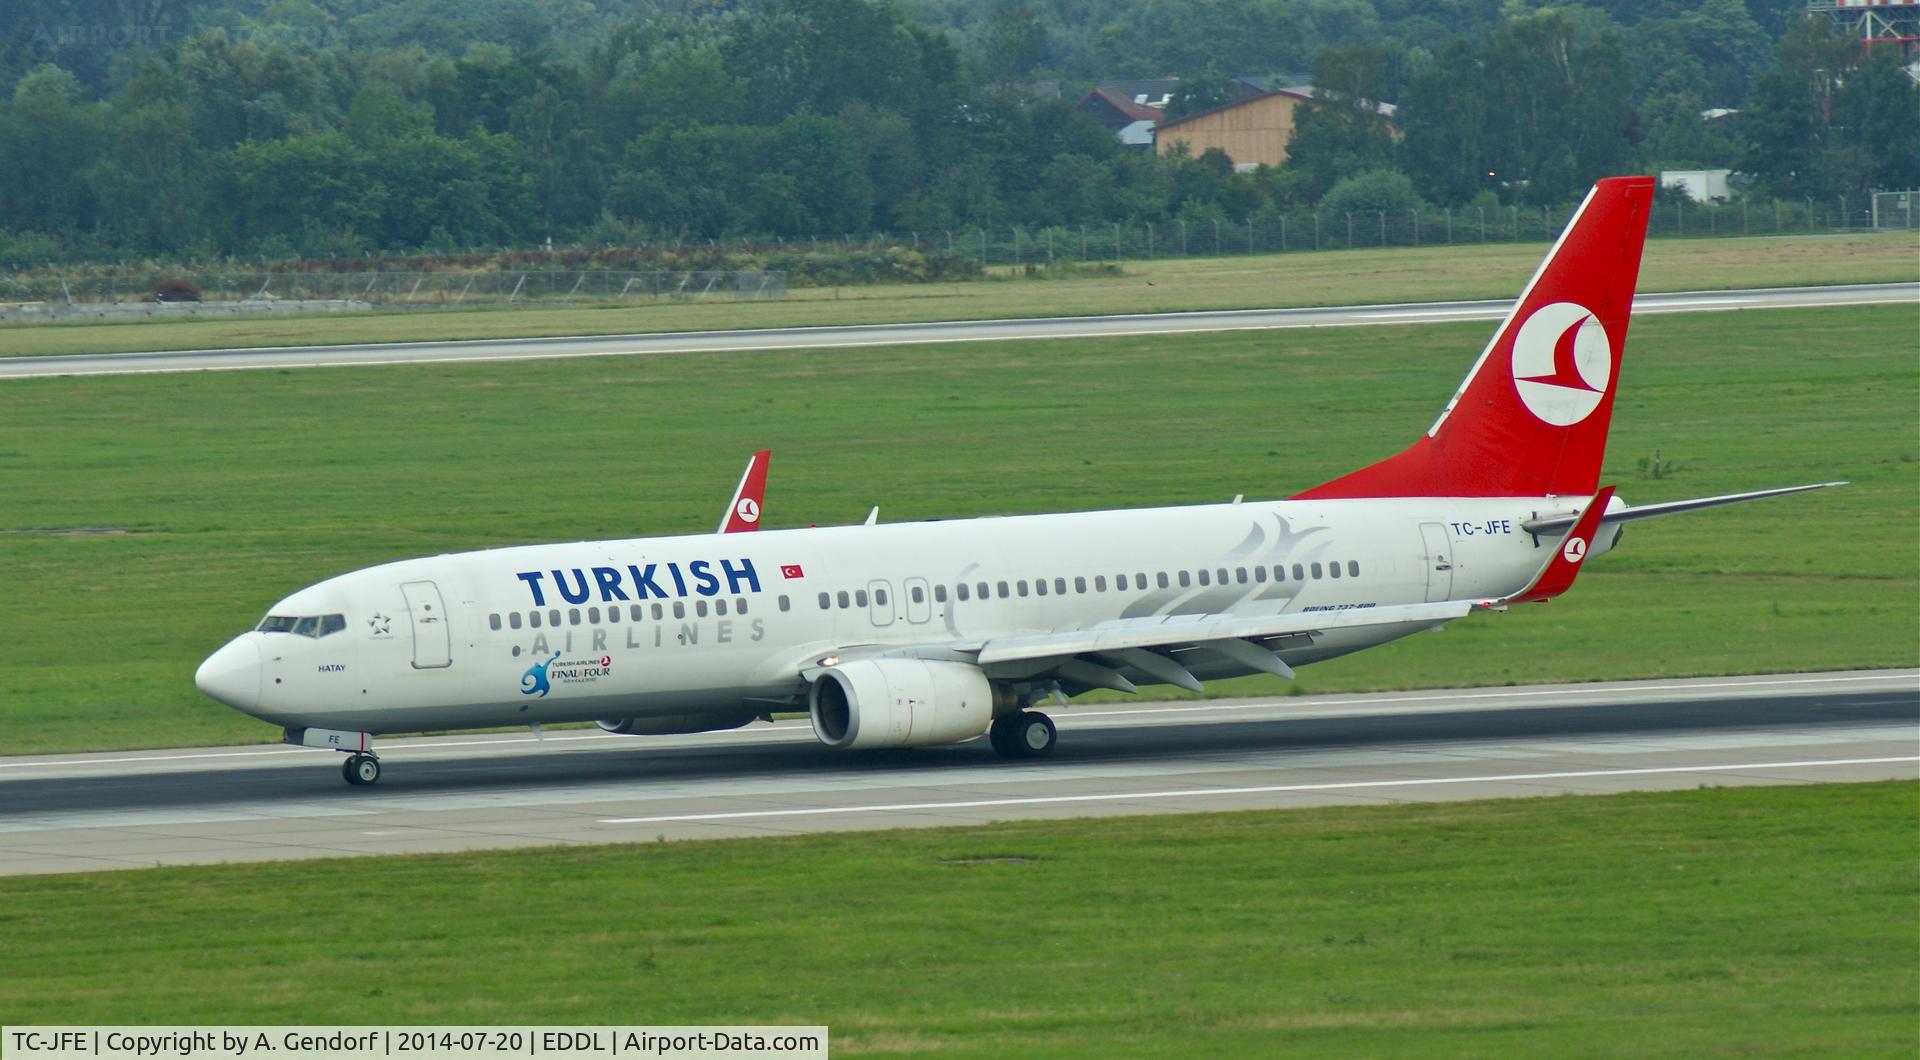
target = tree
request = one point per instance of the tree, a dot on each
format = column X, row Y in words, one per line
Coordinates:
column 1341, row 130
column 1558, row 106
column 1195, row 94
column 50, row 135
column 1013, row 43
column 1877, row 111
column 1791, row 147
column 1444, row 114
column 1374, row 190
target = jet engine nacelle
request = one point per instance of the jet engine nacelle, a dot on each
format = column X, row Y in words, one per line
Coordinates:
column 674, row 724
column 902, row 703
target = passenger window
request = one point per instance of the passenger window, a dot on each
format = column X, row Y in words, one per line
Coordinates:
column 1161, row 576
column 659, row 612
column 1240, row 575
column 1020, row 587
column 1039, row 587
column 939, row 594
column 1316, row 570
column 1099, row 583
column 493, row 621
column 860, row 597
column 1140, row 581
column 593, row 615
column 980, row 590
column 573, row 616
column 553, row 617
column 679, row 609
column 720, row 607
column 1002, row 586
column 1299, row 573
column 740, row 605
column 1353, row 567
column 1334, row 568
column 919, row 595
column 639, row 613
column 1260, row 574
column 880, row 597
column 533, row 619
column 960, row 590
column 843, row 599
column 1079, row 584
column 700, row 609
column 1203, row 577
column 1186, row 579
column 1060, row 587
column 513, row 619
column 785, row 604
column 1222, row 575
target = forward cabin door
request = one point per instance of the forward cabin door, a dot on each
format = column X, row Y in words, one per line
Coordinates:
column 432, row 641
column 1439, row 556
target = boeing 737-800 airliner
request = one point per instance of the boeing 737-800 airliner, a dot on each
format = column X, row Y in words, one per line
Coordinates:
column 928, row 633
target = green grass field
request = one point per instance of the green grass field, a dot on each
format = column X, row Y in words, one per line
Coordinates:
column 1722, row 922
column 1397, row 274
column 233, row 489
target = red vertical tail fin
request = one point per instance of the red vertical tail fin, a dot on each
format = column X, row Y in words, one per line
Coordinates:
column 1531, row 418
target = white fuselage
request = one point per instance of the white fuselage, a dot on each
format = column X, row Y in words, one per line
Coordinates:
column 721, row 625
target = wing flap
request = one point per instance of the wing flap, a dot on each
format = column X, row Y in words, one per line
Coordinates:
column 1193, row 630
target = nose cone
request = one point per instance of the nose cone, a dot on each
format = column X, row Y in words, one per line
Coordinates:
column 232, row 675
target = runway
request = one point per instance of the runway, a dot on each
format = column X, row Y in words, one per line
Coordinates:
column 904, row 334
column 70, row 813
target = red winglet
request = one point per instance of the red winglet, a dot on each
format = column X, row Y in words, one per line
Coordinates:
column 743, row 512
column 1557, row 576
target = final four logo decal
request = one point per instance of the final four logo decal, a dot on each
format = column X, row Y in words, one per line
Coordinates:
column 1562, row 363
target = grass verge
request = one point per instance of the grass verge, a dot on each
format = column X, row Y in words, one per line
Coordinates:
column 1712, row 922
column 1399, row 274
column 232, row 489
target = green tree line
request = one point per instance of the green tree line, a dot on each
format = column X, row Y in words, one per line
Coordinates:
column 314, row 127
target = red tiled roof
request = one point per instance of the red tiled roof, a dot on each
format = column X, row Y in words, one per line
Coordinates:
column 1135, row 111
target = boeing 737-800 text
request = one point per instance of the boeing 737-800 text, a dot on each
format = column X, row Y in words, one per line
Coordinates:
column 930, row 633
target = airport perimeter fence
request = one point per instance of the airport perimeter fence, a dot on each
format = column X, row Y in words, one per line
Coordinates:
column 233, row 284
column 1434, row 226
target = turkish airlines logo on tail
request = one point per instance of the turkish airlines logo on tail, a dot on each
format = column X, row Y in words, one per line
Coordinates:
column 747, row 510
column 1562, row 363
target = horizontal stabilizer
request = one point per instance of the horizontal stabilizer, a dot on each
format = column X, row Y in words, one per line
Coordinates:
column 1560, row 521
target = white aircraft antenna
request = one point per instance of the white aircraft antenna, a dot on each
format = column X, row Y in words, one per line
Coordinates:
column 872, row 516
column 537, row 734
column 1238, row 497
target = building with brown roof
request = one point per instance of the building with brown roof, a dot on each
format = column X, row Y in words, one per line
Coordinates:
column 1253, row 131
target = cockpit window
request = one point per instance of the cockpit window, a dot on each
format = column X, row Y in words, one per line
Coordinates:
column 315, row 626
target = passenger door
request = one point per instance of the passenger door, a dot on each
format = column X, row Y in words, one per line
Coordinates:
column 432, row 640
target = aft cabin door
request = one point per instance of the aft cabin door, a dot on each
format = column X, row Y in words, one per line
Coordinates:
column 431, row 638
column 1439, row 555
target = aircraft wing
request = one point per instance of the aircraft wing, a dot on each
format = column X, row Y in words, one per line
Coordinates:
column 1161, row 646
column 1561, row 520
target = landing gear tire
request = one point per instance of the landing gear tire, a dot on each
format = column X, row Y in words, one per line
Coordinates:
column 1034, row 734
column 360, row 770
column 1028, row 734
column 1000, row 735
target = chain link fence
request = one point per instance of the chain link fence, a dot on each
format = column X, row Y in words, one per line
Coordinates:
column 1326, row 230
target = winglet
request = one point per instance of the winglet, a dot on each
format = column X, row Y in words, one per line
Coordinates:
column 743, row 512
column 1557, row 576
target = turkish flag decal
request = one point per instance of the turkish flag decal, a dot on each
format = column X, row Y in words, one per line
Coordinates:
column 791, row 570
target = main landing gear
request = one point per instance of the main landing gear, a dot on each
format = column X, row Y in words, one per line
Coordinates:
column 1028, row 734
column 360, row 768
